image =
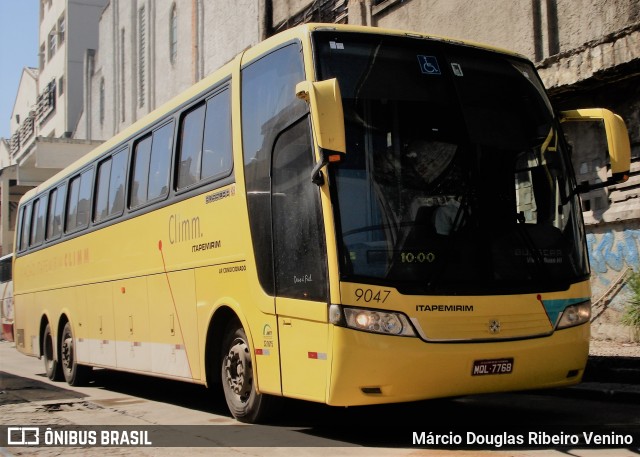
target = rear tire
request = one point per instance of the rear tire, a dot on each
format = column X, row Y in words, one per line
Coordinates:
column 51, row 364
column 238, row 384
column 75, row 374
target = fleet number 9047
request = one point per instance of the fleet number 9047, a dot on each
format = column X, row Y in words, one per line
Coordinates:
column 371, row 295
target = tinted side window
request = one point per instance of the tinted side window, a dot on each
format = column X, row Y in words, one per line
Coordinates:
column 109, row 200
column 101, row 210
column 297, row 218
column 78, row 203
column 116, row 184
column 37, row 226
column 25, row 227
column 269, row 105
column 84, row 199
column 151, row 164
column 72, row 203
column 216, row 151
column 141, row 156
column 160, row 162
column 56, row 209
column 190, row 147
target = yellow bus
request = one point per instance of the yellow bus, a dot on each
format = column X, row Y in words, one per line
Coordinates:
column 341, row 214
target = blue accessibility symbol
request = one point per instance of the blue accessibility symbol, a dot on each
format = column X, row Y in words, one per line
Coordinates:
column 429, row 65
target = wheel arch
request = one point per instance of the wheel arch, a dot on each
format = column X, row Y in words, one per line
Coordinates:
column 56, row 331
column 215, row 333
column 45, row 320
column 218, row 323
column 62, row 321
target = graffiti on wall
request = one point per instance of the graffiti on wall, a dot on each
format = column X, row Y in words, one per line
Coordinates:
column 610, row 254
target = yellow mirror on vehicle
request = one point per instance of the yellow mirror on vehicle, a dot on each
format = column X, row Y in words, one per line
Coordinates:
column 617, row 138
column 327, row 117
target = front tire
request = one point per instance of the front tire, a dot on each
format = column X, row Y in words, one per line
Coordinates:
column 238, row 384
column 75, row 374
column 51, row 365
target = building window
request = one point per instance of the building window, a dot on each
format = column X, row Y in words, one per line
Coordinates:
column 141, row 55
column 61, row 30
column 173, row 34
column 52, row 43
column 42, row 56
column 60, row 86
column 102, row 101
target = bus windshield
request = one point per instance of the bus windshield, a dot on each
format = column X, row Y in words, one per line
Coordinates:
column 455, row 180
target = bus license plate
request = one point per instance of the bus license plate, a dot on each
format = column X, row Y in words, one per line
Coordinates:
column 492, row 366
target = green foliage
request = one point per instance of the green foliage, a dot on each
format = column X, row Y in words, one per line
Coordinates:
column 631, row 316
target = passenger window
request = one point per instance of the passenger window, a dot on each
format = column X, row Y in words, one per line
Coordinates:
column 160, row 162
column 109, row 199
column 216, row 151
column 190, row 147
column 25, row 227
column 72, row 206
column 205, row 142
column 116, row 184
column 78, row 206
column 151, row 164
column 84, row 199
column 56, row 208
column 101, row 210
column 141, row 156
column 37, row 226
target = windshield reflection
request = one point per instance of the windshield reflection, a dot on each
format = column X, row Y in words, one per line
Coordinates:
column 454, row 180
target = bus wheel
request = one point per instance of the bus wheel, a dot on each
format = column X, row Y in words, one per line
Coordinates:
column 74, row 373
column 51, row 365
column 245, row 404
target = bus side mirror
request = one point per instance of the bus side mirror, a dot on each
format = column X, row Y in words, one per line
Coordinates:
column 617, row 141
column 327, row 119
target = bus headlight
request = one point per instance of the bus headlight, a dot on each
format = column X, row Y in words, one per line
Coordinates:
column 575, row 315
column 369, row 320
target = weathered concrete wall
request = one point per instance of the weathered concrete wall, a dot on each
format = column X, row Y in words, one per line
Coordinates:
column 501, row 23
column 584, row 21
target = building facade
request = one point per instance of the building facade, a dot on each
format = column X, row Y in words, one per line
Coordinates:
column 147, row 51
column 48, row 105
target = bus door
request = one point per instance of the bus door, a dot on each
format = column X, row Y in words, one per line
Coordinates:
column 300, row 266
column 285, row 218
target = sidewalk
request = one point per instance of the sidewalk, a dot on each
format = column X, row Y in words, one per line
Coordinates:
column 615, row 378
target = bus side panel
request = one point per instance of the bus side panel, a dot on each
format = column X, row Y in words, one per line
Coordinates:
column 27, row 321
column 131, row 311
column 229, row 285
column 304, row 348
column 100, row 325
column 172, row 312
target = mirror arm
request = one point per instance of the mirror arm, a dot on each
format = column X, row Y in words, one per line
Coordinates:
column 317, row 177
column 584, row 188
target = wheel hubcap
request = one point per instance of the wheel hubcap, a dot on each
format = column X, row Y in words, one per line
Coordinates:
column 237, row 366
column 67, row 351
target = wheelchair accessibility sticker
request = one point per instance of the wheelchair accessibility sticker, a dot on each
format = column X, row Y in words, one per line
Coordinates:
column 429, row 65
